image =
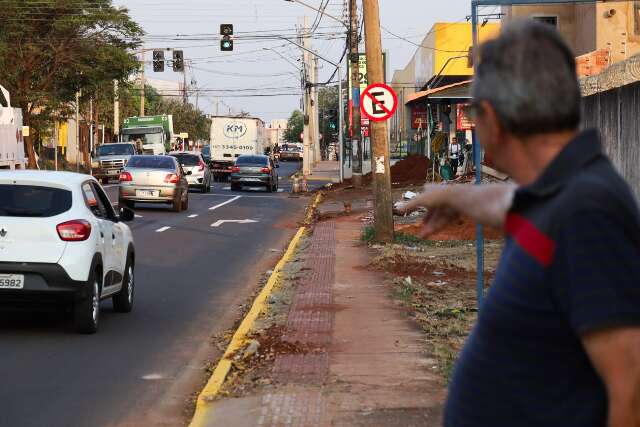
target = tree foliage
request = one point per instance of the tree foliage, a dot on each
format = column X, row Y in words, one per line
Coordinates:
column 49, row 49
column 295, row 126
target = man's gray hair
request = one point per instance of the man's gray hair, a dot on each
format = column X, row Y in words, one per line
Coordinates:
column 528, row 75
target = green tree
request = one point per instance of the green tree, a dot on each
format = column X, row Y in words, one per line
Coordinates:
column 295, row 127
column 49, row 49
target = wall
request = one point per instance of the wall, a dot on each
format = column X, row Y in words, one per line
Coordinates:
column 615, row 112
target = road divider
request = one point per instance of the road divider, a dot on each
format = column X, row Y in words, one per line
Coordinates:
column 213, row 208
column 204, row 404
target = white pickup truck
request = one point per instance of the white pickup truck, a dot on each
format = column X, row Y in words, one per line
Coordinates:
column 11, row 140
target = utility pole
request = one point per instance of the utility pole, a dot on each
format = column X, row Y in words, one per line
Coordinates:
column 379, row 134
column 142, row 83
column 185, row 97
column 87, row 156
column 78, row 131
column 354, row 58
column 116, row 110
column 316, row 114
column 306, row 140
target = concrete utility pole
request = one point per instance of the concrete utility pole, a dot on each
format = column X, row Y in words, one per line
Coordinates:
column 379, row 134
column 142, row 83
column 316, row 116
column 354, row 58
column 77, row 131
column 306, row 141
column 116, row 109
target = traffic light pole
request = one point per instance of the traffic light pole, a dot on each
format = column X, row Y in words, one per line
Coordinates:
column 340, row 99
column 142, row 82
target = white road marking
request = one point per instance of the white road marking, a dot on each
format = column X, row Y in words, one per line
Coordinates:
column 152, row 377
column 280, row 190
column 213, row 208
column 226, row 188
column 193, row 216
column 236, row 221
column 138, row 216
column 162, row 230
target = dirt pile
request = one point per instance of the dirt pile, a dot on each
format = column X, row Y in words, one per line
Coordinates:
column 464, row 229
column 411, row 169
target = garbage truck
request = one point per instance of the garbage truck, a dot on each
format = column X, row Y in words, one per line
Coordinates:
column 11, row 139
column 155, row 133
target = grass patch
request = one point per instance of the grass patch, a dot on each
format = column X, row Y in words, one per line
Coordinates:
column 368, row 234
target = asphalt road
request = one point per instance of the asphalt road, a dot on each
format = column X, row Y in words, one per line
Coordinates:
column 190, row 277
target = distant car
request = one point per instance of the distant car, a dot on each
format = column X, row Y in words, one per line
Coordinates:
column 111, row 159
column 291, row 153
column 192, row 161
column 154, row 179
column 206, row 154
column 254, row 171
column 62, row 241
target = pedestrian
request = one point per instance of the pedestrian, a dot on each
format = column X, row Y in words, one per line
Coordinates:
column 455, row 151
column 557, row 341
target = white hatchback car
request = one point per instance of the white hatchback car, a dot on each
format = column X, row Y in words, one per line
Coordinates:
column 62, row 241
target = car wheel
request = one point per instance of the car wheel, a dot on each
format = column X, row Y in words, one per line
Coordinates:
column 235, row 187
column 270, row 187
column 126, row 204
column 177, row 203
column 123, row 300
column 104, row 181
column 86, row 313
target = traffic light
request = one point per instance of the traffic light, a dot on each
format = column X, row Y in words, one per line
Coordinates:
column 226, row 37
column 333, row 119
column 158, row 61
column 178, row 61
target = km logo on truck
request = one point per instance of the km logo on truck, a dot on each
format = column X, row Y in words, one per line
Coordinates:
column 235, row 130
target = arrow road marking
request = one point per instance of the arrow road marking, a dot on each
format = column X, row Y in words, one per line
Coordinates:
column 235, row 221
column 213, row 208
column 162, row 230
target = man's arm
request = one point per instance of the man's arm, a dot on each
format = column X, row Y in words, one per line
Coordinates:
column 615, row 354
column 485, row 204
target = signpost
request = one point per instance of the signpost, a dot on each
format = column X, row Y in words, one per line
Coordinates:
column 378, row 102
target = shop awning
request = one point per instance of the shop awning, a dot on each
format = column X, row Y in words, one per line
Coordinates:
column 460, row 90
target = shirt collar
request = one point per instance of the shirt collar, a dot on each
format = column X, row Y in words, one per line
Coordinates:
column 583, row 149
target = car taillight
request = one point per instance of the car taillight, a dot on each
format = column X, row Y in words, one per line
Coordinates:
column 77, row 230
column 125, row 176
column 235, row 169
column 201, row 166
column 172, row 178
column 265, row 170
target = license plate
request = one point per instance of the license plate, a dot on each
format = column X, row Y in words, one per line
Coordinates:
column 146, row 193
column 251, row 179
column 114, row 171
column 11, row 281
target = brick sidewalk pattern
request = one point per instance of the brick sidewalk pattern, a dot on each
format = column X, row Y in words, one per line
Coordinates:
column 311, row 315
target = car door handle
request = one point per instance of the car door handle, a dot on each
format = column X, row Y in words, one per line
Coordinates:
column 113, row 236
column 101, row 235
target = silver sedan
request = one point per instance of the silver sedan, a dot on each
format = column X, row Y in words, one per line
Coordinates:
column 154, row 179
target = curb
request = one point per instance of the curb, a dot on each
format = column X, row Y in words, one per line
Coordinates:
column 212, row 388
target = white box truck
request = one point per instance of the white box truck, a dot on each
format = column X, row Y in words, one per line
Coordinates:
column 11, row 140
column 232, row 137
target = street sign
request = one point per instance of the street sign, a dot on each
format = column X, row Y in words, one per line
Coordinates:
column 378, row 102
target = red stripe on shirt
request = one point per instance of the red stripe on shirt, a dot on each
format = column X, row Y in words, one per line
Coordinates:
column 533, row 241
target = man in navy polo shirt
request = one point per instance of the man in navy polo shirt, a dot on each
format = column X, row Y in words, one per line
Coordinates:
column 557, row 342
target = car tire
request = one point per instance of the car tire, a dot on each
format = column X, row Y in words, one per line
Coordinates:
column 270, row 187
column 86, row 312
column 236, row 187
column 104, row 181
column 123, row 300
column 126, row 204
column 185, row 203
column 177, row 204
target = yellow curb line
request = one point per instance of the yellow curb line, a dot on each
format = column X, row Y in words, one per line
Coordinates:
column 212, row 388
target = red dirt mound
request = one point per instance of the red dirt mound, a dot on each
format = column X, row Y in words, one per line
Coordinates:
column 465, row 229
column 412, row 168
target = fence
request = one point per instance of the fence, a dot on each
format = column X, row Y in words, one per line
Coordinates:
column 616, row 114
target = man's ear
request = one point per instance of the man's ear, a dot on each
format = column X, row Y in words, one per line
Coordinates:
column 492, row 122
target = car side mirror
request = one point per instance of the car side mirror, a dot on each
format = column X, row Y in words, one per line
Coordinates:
column 127, row 214
column 188, row 173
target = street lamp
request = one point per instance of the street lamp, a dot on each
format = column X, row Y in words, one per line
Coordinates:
column 322, row 12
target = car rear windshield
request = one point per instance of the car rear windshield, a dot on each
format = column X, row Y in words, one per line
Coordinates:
column 33, row 201
column 151, row 162
column 187, row 159
column 251, row 160
column 116, row 150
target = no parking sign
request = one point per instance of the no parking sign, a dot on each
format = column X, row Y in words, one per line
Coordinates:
column 378, row 102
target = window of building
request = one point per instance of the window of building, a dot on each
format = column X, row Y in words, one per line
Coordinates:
column 551, row 20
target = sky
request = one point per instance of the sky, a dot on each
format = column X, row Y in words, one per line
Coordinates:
column 255, row 77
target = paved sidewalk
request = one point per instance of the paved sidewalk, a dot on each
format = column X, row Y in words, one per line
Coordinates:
column 363, row 363
column 326, row 170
